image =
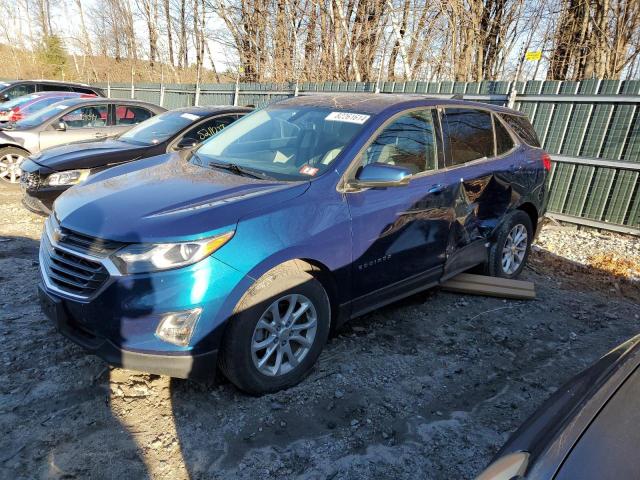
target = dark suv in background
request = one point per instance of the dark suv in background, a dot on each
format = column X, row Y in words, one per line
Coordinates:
column 18, row 88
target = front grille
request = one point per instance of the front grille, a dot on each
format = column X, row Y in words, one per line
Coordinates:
column 71, row 263
column 30, row 180
column 71, row 273
column 87, row 244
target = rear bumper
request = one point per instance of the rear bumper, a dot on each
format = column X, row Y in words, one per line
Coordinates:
column 179, row 365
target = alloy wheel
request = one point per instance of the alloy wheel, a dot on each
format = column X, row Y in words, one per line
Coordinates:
column 284, row 335
column 514, row 250
column 10, row 167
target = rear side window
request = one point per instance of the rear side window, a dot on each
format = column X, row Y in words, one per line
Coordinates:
column 91, row 116
column 52, row 87
column 521, row 125
column 131, row 115
column 504, row 142
column 19, row 90
column 470, row 134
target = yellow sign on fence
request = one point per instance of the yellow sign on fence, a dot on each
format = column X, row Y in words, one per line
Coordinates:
column 533, row 56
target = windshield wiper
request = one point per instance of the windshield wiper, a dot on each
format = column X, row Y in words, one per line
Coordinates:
column 238, row 170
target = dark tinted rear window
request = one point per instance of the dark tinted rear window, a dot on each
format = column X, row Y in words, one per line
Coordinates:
column 504, row 142
column 83, row 90
column 523, row 128
column 470, row 134
column 53, row 87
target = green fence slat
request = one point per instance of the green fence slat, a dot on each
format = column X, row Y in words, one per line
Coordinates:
column 609, row 87
column 625, row 184
column 631, row 150
column 542, row 119
column 596, row 130
column 619, row 126
column 550, row 87
column 560, row 186
column 633, row 217
column 630, row 87
column 459, row 87
column 578, row 188
column 558, row 127
column 589, row 87
column 599, row 193
column 575, row 130
column 446, row 87
column 569, row 88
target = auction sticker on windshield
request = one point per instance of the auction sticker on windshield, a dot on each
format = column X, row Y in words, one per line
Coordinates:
column 348, row 117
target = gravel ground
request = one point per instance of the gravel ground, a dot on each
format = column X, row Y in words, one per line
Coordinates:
column 429, row 387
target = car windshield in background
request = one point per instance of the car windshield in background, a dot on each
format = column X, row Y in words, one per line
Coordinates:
column 159, row 128
column 42, row 115
column 283, row 143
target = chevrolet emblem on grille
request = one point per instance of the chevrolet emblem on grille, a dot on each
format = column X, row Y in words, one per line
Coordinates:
column 57, row 235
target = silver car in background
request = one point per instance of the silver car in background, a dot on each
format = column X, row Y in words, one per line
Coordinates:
column 70, row 120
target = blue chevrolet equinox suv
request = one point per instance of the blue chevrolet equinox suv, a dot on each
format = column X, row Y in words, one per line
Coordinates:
column 244, row 253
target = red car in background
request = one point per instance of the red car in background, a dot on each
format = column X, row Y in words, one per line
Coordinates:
column 22, row 107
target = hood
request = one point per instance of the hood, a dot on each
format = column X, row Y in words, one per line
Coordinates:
column 90, row 154
column 166, row 199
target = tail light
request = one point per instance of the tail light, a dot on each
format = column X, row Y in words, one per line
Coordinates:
column 546, row 161
column 15, row 115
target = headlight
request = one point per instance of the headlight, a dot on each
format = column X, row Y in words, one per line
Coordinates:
column 152, row 257
column 70, row 177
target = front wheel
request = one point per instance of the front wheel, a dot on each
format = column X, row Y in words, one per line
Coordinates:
column 277, row 331
column 508, row 254
column 10, row 161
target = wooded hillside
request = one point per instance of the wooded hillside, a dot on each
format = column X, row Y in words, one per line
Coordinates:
column 315, row 40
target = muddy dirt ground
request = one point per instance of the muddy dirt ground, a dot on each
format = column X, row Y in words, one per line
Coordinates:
column 429, row 387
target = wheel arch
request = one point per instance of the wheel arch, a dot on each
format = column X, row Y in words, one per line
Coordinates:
column 531, row 210
column 14, row 145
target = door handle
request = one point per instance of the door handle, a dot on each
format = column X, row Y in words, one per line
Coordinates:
column 436, row 188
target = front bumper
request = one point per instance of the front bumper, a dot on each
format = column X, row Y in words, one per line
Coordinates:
column 184, row 365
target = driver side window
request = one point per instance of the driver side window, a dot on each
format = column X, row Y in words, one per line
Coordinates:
column 408, row 142
column 86, row 117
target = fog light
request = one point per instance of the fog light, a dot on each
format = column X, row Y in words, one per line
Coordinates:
column 177, row 327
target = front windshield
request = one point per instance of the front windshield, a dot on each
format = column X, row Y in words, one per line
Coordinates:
column 159, row 128
column 42, row 115
column 283, row 143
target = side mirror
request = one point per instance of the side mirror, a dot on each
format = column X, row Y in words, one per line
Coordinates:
column 4, row 97
column 186, row 143
column 381, row 175
column 61, row 126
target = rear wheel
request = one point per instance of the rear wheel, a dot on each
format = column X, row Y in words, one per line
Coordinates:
column 277, row 331
column 508, row 254
column 10, row 161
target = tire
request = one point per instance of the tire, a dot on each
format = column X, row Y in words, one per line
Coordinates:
column 10, row 159
column 276, row 291
column 514, row 223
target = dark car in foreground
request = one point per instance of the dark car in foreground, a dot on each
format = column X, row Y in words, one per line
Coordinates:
column 67, row 121
column 18, row 88
column 587, row 430
column 47, row 175
column 245, row 251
